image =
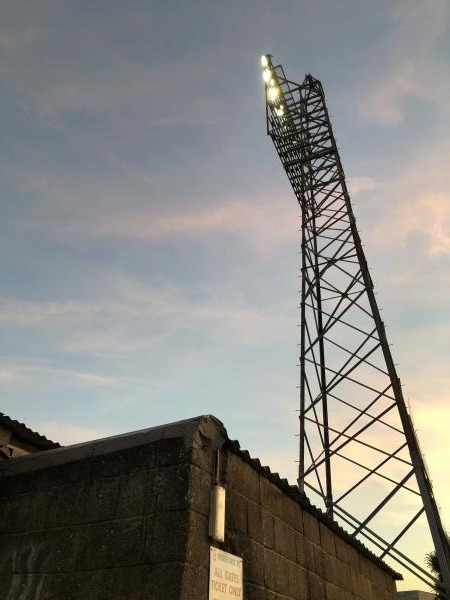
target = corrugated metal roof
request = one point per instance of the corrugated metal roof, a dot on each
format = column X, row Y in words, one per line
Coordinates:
column 27, row 435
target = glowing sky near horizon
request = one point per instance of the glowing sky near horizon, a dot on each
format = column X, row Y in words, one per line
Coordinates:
column 149, row 236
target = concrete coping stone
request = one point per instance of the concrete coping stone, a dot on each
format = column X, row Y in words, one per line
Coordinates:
column 198, row 432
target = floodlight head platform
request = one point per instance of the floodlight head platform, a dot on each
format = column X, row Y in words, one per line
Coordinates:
column 359, row 456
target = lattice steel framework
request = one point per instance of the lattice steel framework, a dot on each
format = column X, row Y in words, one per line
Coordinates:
column 359, row 455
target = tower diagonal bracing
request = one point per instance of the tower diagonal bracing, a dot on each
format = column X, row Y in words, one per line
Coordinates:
column 359, row 456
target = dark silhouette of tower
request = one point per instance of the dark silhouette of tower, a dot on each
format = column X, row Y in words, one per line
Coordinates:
column 359, row 455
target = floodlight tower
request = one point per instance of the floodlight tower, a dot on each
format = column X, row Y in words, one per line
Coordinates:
column 359, row 455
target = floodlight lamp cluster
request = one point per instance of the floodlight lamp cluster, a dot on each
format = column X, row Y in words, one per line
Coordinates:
column 272, row 89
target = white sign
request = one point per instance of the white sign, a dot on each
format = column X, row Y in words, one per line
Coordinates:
column 225, row 575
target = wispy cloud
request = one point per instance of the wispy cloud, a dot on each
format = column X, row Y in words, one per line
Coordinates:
column 357, row 185
column 415, row 201
column 20, row 373
column 409, row 67
column 262, row 224
column 18, row 38
column 115, row 325
column 90, row 92
column 79, row 207
column 7, row 375
column 27, row 313
column 65, row 433
column 51, row 90
column 384, row 103
column 427, row 215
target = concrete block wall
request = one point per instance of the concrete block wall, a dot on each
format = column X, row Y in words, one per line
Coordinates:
column 289, row 554
column 112, row 526
column 415, row 595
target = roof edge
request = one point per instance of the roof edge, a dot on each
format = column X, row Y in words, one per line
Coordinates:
column 27, row 435
column 199, row 432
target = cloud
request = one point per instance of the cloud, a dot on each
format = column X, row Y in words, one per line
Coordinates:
column 72, row 207
column 384, row 104
column 12, row 39
column 91, row 92
column 409, row 67
column 7, row 375
column 356, row 185
column 414, row 201
column 27, row 313
column 134, row 315
column 52, row 86
column 109, row 343
column 66, row 434
column 424, row 214
column 20, row 373
column 263, row 225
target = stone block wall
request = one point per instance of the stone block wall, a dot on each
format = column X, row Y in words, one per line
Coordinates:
column 288, row 552
column 415, row 595
column 107, row 527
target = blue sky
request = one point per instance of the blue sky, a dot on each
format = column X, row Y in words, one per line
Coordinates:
column 149, row 236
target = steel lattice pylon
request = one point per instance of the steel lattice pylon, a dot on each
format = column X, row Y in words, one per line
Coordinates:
column 359, row 455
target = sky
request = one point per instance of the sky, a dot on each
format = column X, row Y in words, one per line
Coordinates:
column 149, row 236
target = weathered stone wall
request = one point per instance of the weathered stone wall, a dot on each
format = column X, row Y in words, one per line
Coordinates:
column 415, row 595
column 127, row 518
column 112, row 527
column 289, row 554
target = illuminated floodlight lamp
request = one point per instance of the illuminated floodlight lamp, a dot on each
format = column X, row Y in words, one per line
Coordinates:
column 264, row 61
column 273, row 93
column 267, row 74
column 280, row 111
